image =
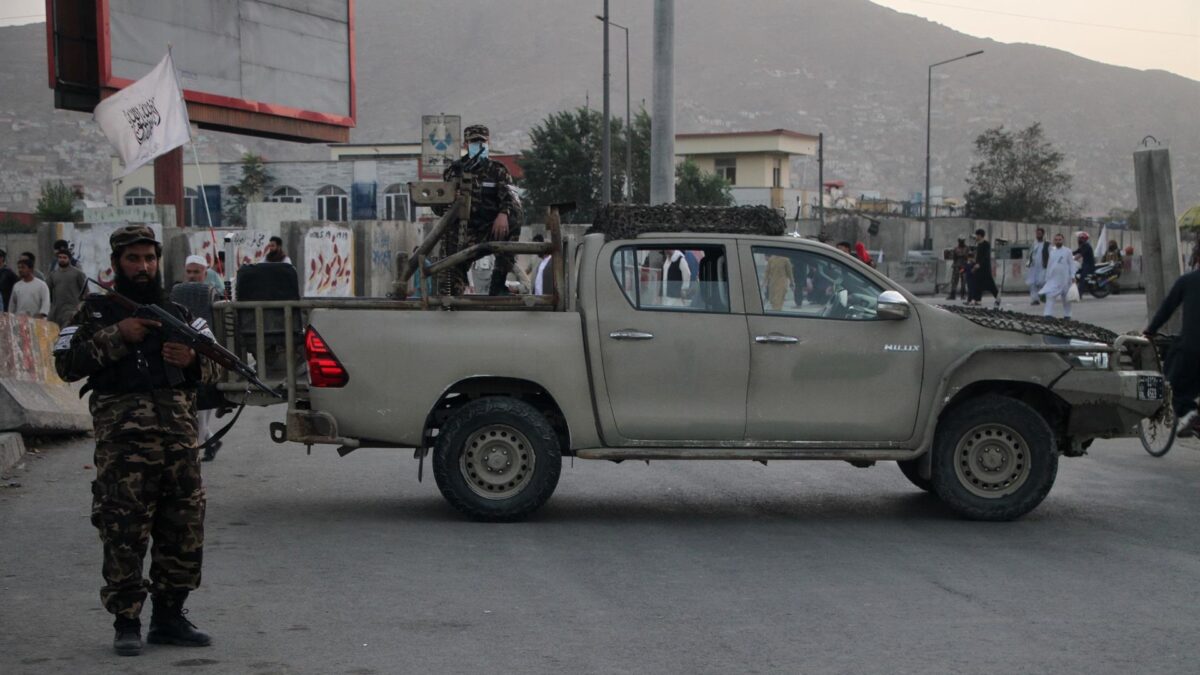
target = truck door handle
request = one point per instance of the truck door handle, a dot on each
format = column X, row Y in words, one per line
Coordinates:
column 629, row 334
column 776, row 338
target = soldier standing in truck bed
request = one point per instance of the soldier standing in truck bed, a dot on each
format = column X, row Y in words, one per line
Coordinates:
column 495, row 209
column 148, row 491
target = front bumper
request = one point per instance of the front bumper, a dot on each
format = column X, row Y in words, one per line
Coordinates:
column 1109, row 403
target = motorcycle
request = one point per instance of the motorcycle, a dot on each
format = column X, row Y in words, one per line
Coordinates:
column 1101, row 281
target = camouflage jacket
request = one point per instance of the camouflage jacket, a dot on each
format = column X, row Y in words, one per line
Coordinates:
column 87, row 347
column 491, row 193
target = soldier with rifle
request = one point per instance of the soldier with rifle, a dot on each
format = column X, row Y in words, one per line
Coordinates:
column 495, row 210
column 139, row 353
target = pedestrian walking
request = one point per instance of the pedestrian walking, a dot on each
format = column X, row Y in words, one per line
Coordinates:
column 148, row 492
column 984, row 281
column 958, row 277
column 198, row 295
column 1060, row 278
column 30, row 295
column 1035, row 266
column 67, row 284
column 7, row 279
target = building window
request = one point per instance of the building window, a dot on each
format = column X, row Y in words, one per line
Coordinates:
column 332, row 203
column 777, row 174
column 139, row 197
column 286, row 195
column 727, row 169
column 190, row 202
column 395, row 203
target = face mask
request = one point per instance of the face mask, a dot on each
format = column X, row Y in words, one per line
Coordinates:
column 479, row 150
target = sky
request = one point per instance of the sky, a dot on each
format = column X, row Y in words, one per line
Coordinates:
column 1142, row 34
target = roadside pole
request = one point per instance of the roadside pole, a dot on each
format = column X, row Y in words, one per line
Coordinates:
column 1162, row 263
column 662, row 126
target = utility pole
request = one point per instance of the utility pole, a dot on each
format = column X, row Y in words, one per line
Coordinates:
column 928, row 243
column 821, row 178
column 606, row 146
column 662, row 128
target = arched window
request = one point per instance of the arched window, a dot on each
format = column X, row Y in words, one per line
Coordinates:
column 332, row 203
column 286, row 195
column 139, row 197
column 395, row 202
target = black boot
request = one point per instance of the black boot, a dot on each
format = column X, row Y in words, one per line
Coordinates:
column 128, row 638
column 168, row 626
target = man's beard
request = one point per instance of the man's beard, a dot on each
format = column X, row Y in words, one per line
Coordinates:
column 145, row 292
column 275, row 256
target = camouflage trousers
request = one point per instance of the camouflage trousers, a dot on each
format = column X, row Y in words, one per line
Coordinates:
column 457, row 239
column 148, row 493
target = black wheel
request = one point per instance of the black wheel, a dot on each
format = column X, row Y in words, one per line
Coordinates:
column 497, row 459
column 909, row 468
column 995, row 458
column 1158, row 433
column 1099, row 292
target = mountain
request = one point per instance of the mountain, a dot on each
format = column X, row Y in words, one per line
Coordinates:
column 850, row 69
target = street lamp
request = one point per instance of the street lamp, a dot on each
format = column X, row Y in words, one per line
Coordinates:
column 628, row 119
column 928, row 125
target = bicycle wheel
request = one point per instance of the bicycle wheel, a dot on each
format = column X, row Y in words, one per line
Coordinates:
column 1158, row 433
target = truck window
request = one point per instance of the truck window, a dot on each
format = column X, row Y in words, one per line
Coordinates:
column 687, row 278
column 807, row 284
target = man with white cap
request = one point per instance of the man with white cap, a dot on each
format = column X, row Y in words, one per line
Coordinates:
column 196, row 271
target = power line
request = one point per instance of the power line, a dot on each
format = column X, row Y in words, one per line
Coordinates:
column 1067, row 21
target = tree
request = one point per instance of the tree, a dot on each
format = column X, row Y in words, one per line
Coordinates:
column 696, row 187
column 255, row 182
column 1019, row 177
column 563, row 163
column 56, row 204
column 641, row 157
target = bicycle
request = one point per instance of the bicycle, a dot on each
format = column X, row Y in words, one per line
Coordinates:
column 1158, row 433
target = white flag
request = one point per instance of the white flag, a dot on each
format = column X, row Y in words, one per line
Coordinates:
column 146, row 119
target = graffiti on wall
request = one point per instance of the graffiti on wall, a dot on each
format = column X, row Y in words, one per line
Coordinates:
column 329, row 262
column 89, row 245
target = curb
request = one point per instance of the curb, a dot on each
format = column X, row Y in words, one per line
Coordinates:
column 12, row 449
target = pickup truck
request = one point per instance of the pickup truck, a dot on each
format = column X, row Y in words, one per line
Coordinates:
column 772, row 348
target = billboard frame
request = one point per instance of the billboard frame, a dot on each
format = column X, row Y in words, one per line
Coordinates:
column 224, row 113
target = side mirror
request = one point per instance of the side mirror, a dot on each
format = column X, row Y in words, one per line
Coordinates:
column 893, row 306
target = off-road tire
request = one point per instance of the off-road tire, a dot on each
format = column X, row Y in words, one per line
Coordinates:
column 514, row 426
column 984, row 442
column 910, row 469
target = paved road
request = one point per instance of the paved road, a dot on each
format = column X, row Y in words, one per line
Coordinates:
column 348, row 565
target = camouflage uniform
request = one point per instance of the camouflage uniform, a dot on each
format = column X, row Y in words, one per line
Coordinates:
column 491, row 194
column 148, row 484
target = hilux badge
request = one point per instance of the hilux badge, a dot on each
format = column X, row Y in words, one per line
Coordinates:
column 902, row 348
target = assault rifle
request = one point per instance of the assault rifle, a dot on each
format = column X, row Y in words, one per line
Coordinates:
column 181, row 332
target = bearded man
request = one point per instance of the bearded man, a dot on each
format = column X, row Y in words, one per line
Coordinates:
column 148, row 491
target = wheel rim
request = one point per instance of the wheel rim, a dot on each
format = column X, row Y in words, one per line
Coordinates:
column 992, row 461
column 497, row 462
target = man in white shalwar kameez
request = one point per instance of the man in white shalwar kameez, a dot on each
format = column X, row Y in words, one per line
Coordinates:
column 1060, row 275
column 1035, row 266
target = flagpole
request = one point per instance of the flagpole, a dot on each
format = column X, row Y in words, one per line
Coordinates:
column 203, row 196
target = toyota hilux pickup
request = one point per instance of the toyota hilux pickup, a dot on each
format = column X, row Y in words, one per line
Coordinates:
column 706, row 345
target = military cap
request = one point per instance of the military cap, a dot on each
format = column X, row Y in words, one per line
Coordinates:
column 131, row 234
column 475, row 131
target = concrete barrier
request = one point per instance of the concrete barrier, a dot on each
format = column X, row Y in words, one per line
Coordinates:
column 32, row 397
column 12, row 449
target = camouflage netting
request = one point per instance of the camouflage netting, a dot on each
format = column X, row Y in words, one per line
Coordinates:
column 621, row 221
column 1033, row 325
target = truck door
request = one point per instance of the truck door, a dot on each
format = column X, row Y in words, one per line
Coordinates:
column 823, row 366
column 673, row 341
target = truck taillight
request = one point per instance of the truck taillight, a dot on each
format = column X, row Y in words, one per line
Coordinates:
column 324, row 369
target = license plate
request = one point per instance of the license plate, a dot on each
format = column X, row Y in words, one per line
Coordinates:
column 1150, row 388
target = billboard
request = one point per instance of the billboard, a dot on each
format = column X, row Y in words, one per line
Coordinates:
column 274, row 68
column 441, row 136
